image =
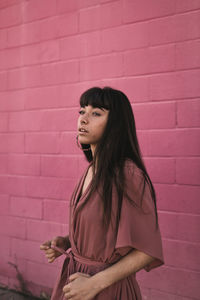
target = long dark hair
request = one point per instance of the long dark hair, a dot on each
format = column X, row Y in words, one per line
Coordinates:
column 118, row 143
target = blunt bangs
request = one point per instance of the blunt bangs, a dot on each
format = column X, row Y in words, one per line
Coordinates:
column 97, row 97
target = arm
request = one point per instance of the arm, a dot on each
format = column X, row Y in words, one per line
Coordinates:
column 85, row 288
column 129, row 264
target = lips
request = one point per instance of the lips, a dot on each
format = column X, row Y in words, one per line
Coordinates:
column 81, row 129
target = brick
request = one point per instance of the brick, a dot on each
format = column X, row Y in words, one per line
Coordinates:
column 26, row 207
column 12, row 143
column 187, row 26
column 136, row 88
column 171, row 248
column 3, row 38
column 11, row 16
column 141, row 10
column 178, row 198
column 5, row 204
column 174, row 28
column 184, row 142
column 24, row 77
column 40, row 53
column 25, row 121
column 111, row 14
column 4, row 280
column 175, row 279
column 104, row 1
column 136, row 62
column 47, row 230
column 155, row 116
column 68, row 24
column 25, row 249
column 187, row 55
column 188, row 170
column 118, row 39
column 12, row 101
column 24, row 164
column 5, row 3
column 52, row 188
column 70, row 93
column 107, row 15
column 161, row 58
column 47, row 274
column 13, row 226
column 3, row 122
column 179, row 85
column 173, row 226
column 161, row 30
column 4, row 81
column 35, row 9
column 57, row 73
column 70, row 5
column 101, row 67
column 80, row 45
column 23, row 34
column 90, row 19
column 150, row 60
column 60, row 166
column 56, row 211
column 49, row 120
column 59, row 120
column 10, row 58
column 3, row 163
column 33, row 32
column 45, row 97
column 185, row 5
column 188, row 113
column 12, row 185
column 68, row 143
column 87, row 3
column 42, row 143
column 161, row 170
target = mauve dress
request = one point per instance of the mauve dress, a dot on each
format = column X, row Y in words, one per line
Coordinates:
column 94, row 248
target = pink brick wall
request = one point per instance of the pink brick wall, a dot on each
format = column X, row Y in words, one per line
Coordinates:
column 50, row 52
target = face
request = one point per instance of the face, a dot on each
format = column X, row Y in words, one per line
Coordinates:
column 91, row 124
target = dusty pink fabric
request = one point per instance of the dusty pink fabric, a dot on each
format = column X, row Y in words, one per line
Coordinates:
column 93, row 248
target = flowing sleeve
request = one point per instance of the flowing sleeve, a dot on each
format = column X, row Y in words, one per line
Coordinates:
column 137, row 228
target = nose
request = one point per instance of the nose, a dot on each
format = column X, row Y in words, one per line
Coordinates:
column 84, row 119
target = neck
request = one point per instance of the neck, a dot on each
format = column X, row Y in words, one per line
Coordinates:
column 93, row 147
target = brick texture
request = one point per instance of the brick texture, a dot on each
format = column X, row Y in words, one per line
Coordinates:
column 52, row 51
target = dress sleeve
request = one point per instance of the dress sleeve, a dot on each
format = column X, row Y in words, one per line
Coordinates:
column 137, row 228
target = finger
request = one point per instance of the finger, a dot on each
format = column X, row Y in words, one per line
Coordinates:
column 50, row 256
column 50, row 260
column 66, row 288
column 68, row 296
column 54, row 242
column 50, row 251
column 44, row 247
column 73, row 277
column 78, row 275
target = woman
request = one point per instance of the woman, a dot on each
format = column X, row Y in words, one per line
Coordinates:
column 113, row 217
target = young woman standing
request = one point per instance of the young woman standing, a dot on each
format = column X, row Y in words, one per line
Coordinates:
column 114, row 229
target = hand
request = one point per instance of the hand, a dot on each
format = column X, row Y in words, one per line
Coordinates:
column 80, row 287
column 51, row 253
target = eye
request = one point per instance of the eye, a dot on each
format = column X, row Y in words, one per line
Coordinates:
column 95, row 113
column 81, row 112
